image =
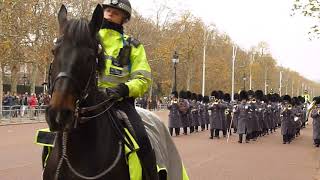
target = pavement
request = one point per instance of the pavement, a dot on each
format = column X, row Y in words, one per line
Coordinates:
column 204, row 159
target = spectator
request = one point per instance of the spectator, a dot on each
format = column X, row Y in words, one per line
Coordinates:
column 24, row 103
column 33, row 102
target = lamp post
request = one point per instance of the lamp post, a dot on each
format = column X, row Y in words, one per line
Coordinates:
column 234, row 53
column 250, row 76
column 244, row 81
column 24, row 77
column 175, row 61
column 280, row 82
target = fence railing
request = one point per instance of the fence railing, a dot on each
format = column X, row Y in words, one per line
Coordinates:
column 159, row 107
column 27, row 114
column 20, row 114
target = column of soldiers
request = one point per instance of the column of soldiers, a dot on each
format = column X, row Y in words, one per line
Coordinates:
column 251, row 114
column 188, row 111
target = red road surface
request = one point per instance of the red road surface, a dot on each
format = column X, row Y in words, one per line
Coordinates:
column 204, row 159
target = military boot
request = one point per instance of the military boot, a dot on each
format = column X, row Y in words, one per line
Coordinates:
column 211, row 134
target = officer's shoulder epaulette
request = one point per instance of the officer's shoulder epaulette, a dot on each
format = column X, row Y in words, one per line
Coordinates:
column 133, row 41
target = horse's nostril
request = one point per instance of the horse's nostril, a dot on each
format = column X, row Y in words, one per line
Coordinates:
column 59, row 119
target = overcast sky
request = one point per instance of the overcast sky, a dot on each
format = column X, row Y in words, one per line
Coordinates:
column 251, row 21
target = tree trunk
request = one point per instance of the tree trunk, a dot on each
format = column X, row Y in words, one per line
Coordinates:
column 34, row 74
column 14, row 79
column 1, row 88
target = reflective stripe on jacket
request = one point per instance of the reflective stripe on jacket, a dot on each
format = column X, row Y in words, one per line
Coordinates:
column 136, row 75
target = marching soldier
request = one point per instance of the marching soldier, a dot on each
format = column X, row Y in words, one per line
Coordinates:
column 315, row 114
column 269, row 113
column 235, row 119
column 206, row 111
column 253, row 123
column 242, row 115
column 228, row 111
column 304, row 111
column 174, row 117
column 265, row 113
column 287, row 124
column 217, row 123
column 260, row 111
column 201, row 115
column 194, row 111
column 189, row 98
column 183, row 109
column 298, row 109
column 213, row 108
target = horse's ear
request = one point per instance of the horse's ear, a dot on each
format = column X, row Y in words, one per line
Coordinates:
column 96, row 20
column 62, row 17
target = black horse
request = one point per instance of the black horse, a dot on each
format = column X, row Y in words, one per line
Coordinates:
column 89, row 141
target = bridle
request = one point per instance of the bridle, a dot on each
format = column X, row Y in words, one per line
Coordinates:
column 80, row 111
column 80, row 118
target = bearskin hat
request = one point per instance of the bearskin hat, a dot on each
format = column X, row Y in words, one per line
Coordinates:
column 189, row 94
column 227, row 97
column 236, row 96
column 286, row 98
column 215, row 94
column 301, row 99
column 199, row 97
column 175, row 94
column 276, row 97
column 250, row 93
column 295, row 101
column 221, row 95
column 264, row 99
column 206, row 99
column 259, row 94
column 269, row 97
column 194, row 96
column 272, row 97
column 183, row 94
column 243, row 95
column 317, row 99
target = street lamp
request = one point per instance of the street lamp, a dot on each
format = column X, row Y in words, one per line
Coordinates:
column 234, row 53
column 175, row 61
column 244, row 81
column 25, row 79
column 45, row 87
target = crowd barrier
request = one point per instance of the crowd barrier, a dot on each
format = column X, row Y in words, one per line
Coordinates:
column 160, row 107
column 27, row 114
column 22, row 114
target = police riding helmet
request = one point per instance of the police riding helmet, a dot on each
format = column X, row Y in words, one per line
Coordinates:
column 123, row 5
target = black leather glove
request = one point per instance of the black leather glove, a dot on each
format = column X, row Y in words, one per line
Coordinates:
column 119, row 91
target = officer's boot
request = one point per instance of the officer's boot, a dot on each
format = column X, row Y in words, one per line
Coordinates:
column 211, row 134
column 240, row 138
column 149, row 166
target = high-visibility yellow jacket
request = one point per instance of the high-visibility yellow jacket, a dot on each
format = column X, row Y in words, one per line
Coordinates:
column 136, row 74
column 306, row 97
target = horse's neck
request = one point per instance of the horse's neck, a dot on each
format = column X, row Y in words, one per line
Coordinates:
column 91, row 148
column 95, row 140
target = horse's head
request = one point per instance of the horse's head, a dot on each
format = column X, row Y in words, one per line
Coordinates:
column 73, row 70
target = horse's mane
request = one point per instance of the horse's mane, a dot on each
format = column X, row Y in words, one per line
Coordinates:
column 77, row 31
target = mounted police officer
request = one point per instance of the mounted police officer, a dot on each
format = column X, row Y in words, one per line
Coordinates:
column 127, row 74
